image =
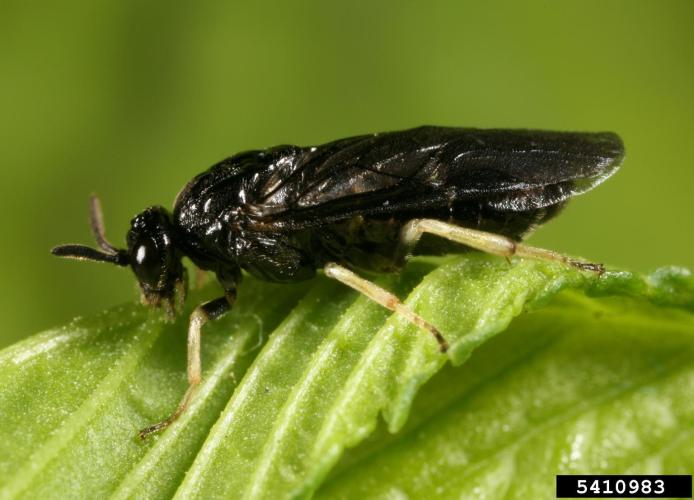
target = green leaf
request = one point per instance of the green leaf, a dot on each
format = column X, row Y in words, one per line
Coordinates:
column 594, row 376
column 576, row 387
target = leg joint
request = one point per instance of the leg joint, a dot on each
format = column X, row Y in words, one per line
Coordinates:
column 411, row 231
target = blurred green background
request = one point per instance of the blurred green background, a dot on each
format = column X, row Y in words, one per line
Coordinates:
column 130, row 99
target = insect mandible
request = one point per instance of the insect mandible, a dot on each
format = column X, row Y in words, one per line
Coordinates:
column 361, row 203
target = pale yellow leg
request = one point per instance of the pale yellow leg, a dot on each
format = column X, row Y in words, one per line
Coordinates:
column 481, row 240
column 197, row 319
column 382, row 297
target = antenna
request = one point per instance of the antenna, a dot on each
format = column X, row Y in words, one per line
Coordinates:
column 82, row 252
column 96, row 219
column 108, row 252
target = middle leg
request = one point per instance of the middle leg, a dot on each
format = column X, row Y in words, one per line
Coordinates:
column 382, row 297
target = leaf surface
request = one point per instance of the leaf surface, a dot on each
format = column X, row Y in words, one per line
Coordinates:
column 593, row 376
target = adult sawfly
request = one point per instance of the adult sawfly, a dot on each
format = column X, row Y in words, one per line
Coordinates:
column 363, row 203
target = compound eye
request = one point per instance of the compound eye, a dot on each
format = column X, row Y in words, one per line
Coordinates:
column 147, row 263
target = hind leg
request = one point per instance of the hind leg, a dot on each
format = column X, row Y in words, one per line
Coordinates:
column 479, row 240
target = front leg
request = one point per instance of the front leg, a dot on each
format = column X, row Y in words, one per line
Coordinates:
column 208, row 311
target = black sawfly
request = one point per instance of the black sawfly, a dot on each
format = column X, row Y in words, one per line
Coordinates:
column 361, row 203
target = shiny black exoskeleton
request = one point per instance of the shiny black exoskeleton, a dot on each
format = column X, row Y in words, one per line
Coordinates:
column 283, row 212
column 365, row 202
